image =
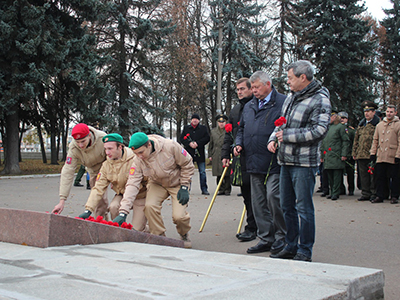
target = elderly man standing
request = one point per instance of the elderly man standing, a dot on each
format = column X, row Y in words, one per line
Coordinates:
column 361, row 150
column 385, row 150
column 256, row 125
column 194, row 137
column 214, row 153
column 169, row 169
column 307, row 111
column 115, row 171
column 86, row 149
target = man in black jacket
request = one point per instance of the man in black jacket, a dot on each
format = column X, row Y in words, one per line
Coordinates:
column 256, row 125
column 243, row 89
column 194, row 137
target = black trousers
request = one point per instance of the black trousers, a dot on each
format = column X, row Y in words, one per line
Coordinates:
column 387, row 174
column 246, row 193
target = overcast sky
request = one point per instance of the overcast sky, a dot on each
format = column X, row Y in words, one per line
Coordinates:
column 375, row 7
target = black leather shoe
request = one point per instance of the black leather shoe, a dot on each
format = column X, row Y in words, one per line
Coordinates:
column 324, row 195
column 363, row 198
column 246, row 236
column 302, row 257
column 334, row 197
column 205, row 193
column 394, row 201
column 377, row 200
column 329, row 197
column 78, row 184
column 319, row 190
column 260, row 247
column 284, row 254
column 221, row 193
column 351, row 193
column 277, row 246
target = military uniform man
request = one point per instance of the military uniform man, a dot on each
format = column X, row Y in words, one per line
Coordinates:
column 335, row 148
column 217, row 136
column 86, row 148
column 361, row 150
column 169, row 168
column 115, row 170
column 349, row 168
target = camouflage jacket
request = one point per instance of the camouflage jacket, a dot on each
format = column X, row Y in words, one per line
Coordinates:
column 363, row 139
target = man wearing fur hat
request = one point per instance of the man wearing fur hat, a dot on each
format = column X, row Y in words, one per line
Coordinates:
column 194, row 137
column 169, row 169
column 87, row 149
column 115, row 171
column 214, row 153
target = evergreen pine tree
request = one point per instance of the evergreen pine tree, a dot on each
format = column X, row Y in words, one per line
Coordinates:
column 333, row 36
column 390, row 49
column 240, row 26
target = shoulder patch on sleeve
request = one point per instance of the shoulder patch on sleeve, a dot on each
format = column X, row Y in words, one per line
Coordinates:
column 98, row 176
column 183, row 152
column 132, row 171
column 68, row 160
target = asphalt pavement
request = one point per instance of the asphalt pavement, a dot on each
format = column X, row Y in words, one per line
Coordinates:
column 349, row 232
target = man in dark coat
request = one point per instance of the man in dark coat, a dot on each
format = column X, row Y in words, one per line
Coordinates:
column 243, row 89
column 256, row 125
column 194, row 137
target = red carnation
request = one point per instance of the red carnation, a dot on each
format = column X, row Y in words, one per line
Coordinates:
column 279, row 122
column 329, row 149
column 239, row 123
column 185, row 137
column 228, row 128
column 188, row 134
column 324, row 152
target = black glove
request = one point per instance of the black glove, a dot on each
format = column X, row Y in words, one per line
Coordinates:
column 397, row 160
column 86, row 214
column 121, row 218
column 372, row 158
column 183, row 195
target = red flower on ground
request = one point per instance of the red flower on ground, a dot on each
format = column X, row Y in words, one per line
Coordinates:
column 279, row 122
column 228, row 127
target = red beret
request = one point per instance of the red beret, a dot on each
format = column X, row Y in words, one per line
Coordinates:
column 80, row 131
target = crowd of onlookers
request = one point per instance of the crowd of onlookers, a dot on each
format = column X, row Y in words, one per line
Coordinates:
column 372, row 150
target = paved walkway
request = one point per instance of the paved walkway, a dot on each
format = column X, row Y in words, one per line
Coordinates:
column 348, row 232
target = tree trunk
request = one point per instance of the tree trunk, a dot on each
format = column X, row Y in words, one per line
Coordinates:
column 42, row 148
column 53, row 145
column 12, row 143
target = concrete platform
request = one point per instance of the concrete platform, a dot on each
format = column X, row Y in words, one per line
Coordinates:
column 142, row 271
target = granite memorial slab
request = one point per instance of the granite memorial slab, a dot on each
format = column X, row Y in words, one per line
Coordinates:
column 49, row 230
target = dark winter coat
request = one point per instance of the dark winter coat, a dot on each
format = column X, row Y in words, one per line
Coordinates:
column 229, row 139
column 256, row 125
column 200, row 136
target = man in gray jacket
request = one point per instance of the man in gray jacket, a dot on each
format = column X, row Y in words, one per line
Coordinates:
column 307, row 112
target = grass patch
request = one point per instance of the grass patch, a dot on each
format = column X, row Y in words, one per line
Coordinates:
column 36, row 166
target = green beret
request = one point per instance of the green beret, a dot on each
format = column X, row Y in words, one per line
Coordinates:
column 138, row 139
column 113, row 137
